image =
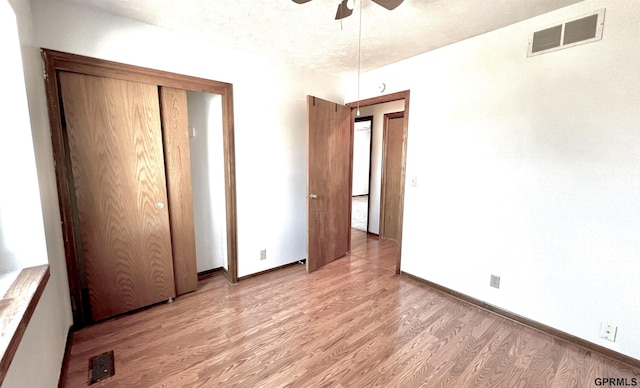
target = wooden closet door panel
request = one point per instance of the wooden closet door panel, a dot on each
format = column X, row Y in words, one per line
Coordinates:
column 175, row 132
column 115, row 146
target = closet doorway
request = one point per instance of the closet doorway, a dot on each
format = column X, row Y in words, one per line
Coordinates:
column 206, row 150
column 139, row 165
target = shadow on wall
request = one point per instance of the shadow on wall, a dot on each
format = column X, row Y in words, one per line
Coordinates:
column 9, row 267
column 207, row 177
column 22, row 240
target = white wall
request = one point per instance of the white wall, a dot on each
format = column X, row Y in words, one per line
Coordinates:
column 22, row 241
column 36, row 238
column 269, row 104
column 377, row 111
column 361, row 158
column 528, row 168
column 207, row 176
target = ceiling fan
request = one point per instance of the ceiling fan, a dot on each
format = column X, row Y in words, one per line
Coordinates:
column 345, row 8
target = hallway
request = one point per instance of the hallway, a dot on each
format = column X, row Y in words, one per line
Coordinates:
column 359, row 212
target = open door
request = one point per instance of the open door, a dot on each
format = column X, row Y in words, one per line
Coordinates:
column 328, row 181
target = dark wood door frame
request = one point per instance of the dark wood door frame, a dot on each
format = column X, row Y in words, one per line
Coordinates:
column 403, row 95
column 55, row 62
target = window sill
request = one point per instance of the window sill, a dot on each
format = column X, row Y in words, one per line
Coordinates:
column 16, row 308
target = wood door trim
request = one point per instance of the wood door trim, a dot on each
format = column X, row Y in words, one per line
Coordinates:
column 402, row 95
column 350, row 178
column 394, row 115
column 56, row 61
column 104, row 68
column 383, row 178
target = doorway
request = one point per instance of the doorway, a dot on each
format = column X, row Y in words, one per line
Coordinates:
column 361, row 173
column 378, row 107
column 376, row 171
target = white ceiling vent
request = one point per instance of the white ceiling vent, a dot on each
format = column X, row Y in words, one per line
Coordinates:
column 586, row 29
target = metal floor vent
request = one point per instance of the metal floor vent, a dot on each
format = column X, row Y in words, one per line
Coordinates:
column 101, row 367
column 583, row 30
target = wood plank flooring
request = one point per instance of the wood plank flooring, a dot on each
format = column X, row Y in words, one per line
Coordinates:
column 352, row 323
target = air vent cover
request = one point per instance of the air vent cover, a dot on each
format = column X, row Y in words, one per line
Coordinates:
column 579, row 31
column 547, row 39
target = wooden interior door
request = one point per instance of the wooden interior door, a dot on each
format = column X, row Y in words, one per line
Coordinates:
column 329, row 127
column 116, row 155
column 392, row 176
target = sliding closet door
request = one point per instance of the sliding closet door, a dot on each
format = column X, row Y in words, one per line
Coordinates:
column 175, row 125
column 115, row 146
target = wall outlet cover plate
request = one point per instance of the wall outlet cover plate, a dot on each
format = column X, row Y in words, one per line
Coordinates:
column 608, row 331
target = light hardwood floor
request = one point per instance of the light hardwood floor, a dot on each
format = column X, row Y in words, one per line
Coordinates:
column 352, row 323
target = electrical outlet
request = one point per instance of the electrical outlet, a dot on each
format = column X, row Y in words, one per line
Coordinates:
column 263, row 254
column 495, row 281
column 608, row 331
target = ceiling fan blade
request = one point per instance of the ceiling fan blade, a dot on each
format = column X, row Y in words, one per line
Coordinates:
column 301, row 1
column 343, row 10
column 388, row 4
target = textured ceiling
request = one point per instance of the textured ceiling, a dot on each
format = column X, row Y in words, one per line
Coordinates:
column 308, row 35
